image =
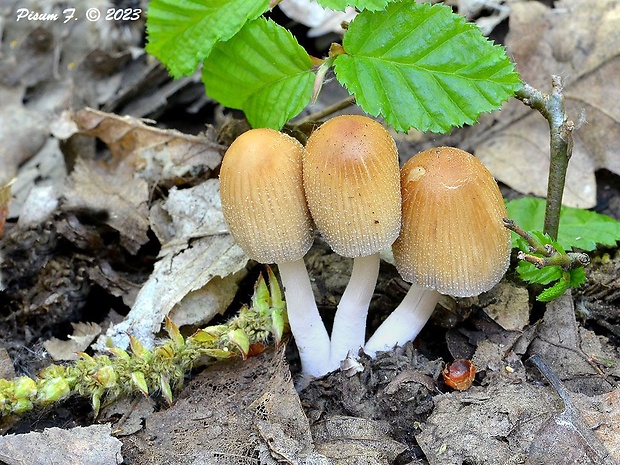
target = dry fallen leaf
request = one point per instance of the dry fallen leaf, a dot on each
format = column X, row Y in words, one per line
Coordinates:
column 117, row 192
column 154, row 154
column 199, row 250
column 580, row 41
column 7, row 370
column 346, row 440
column 320, row 20
column 238, row 411
column 83, row 335
column 519, row 415
column 23, row 132
column 5, row 196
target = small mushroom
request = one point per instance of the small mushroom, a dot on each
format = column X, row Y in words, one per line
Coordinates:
column 265, row 209
column 351, row 180
column 452, row 239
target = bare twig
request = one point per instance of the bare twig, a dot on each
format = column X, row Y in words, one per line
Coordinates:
column 550, row 255
column 561, row 145
column 341, row 105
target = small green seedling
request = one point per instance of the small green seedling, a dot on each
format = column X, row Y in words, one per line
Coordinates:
column 545, row 260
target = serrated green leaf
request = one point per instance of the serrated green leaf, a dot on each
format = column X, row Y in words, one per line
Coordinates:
column 263, row 71
column 577, row 277
column 423, row 66
column 182, row 33
column 341, row 5
column 530, row 274
column 579, row 228
column 554, row 291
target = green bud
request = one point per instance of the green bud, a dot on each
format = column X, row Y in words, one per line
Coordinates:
column 106, row 377
column 279, row 324
column 274, row 289
column 96, row 400
column 174, row 333
column 208, row 335
column 165, row 351
column 120, row 353
column 166, row 390
column 138, row 349
column 52, row 371
column 219, row 353
column 21, row 406
column 240, row 339
column 137, row 377
column 261, row 299
column 25, row 387
column 52, row 390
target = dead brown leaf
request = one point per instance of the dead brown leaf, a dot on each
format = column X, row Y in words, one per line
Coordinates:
column 580, row 41
column 199, row 249
column 351, row 440
column 83, row 335
column 156, row 154
column 123, row 196
column 242, row 412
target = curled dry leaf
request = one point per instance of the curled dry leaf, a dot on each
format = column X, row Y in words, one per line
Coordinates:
column 155, row 154
column 578, row 40
column 191, row 259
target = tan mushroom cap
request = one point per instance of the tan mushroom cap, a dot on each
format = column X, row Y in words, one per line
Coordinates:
column 262, row 196
column 351, row 179
column 453, row 239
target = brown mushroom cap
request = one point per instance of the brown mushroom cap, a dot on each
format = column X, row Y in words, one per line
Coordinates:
column 351, row 180
column 453, row 239
column 262, row 196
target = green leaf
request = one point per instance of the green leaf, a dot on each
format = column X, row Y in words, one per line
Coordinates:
column 577, row 277
column 530, row 274
column 263, row 71
column 182, row 33
column 341, row 5
column 579, row 228
column 423, row 66
column 556, row 290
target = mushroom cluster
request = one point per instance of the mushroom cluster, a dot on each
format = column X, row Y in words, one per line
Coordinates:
column 442, row 212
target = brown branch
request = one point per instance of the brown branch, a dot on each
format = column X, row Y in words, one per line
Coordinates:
column 561, row 145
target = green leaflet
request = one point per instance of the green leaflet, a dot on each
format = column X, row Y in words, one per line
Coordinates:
column 372, row 5
column 555, row 291
column 263, row 71
column 182, row 33
column 582, row 229
column 422, row 66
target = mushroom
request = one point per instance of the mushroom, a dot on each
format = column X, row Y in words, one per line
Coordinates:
column 351, row 180
column 265, row 209
column 452, row 239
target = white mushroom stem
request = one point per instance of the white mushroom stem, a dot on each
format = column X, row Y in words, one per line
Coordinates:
column 304, row 319
column 349, row 330
column 405, row 322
